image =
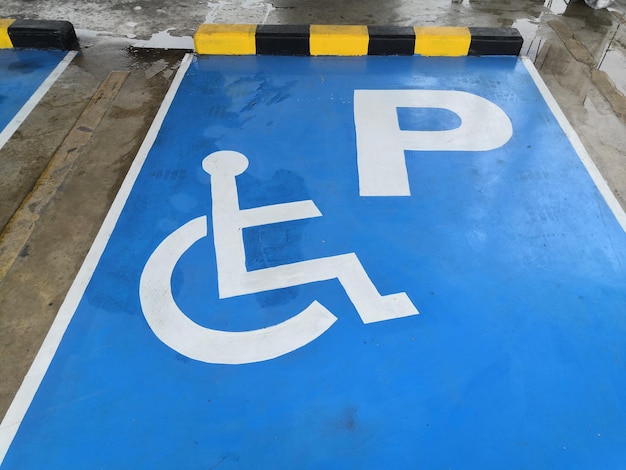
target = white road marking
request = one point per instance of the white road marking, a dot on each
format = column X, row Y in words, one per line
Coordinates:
column 381, row 143
column 180, row 333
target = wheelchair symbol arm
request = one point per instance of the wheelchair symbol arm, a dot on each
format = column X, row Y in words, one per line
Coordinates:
column 277, row 213
column 223, row 167
column 180, row 333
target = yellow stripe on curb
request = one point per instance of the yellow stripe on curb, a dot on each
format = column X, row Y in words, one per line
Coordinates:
column 225, row 39
column 442, row 41
column 339, row 40
column 5, row 40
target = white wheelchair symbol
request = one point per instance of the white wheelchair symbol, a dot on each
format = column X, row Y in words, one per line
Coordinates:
column 180, row 333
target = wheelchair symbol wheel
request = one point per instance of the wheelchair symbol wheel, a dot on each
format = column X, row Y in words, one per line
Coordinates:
column 180, row 333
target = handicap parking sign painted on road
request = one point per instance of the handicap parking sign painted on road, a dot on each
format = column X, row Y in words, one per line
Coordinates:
column 377, row 262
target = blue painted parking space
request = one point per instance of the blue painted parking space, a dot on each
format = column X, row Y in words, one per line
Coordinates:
column 23, row 74
column 377, row 262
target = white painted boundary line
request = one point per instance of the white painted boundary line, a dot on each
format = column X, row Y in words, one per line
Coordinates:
column 32, row 381
column 23, row 113
column 591, row 167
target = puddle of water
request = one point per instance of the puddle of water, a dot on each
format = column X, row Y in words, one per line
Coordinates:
column 614, row 64
column 528, row 30
column 557, row 7
column 612, row 59
column 164, row 40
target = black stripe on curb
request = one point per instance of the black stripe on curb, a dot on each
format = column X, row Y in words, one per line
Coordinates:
column 391, row 40
column 495, row 41
column 42, row 34
column 282, row 39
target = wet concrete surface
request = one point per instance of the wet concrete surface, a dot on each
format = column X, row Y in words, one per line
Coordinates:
column 34, row 288
column 579, row 52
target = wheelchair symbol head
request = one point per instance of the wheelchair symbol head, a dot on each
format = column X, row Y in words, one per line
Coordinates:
column 225, row 163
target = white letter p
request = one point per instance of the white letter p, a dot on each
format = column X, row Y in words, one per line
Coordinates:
column 381, row 143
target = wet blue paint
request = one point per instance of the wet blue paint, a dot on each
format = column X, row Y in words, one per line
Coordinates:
column 21, row 73
column 512, row 257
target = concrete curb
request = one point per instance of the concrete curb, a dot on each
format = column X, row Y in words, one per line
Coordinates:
column 37, row 34
column 339, row 40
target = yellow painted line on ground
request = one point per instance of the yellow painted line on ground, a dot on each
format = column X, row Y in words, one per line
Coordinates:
column 5, row 40
column 226, row 39
column 442, row 41
column 339, row 40
column 21, row 226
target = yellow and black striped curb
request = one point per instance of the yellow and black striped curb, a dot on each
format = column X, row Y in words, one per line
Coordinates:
column 335, row 40
column 37, row 34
